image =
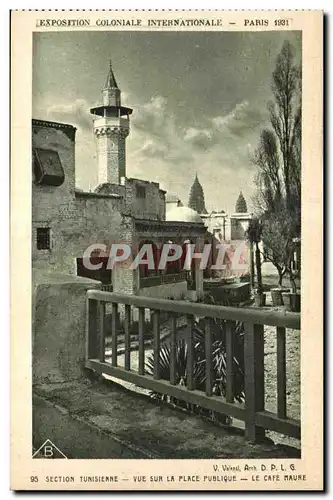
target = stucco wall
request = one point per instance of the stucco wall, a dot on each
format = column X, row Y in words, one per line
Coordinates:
column 239, row 226
column 58, row 326
column 170, row 290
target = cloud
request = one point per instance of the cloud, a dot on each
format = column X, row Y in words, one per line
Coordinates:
column 156, row 134
column 160, row 148
column 77, row 114
column 200, row 138
column 219, row 149
column 242, row 118
column 152, row 117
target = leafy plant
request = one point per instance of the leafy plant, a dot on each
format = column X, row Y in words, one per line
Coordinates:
column 199, row 366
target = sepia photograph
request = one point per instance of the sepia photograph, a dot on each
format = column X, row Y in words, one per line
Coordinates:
column 171, row 213
column 166, row 198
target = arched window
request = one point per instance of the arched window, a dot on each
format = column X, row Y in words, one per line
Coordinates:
column 103, row 274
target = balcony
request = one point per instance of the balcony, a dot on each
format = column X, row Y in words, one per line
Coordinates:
column 115, row 121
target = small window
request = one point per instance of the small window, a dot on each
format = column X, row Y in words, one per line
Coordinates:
column 140, row 191
column 47, row 167
column 43, row 238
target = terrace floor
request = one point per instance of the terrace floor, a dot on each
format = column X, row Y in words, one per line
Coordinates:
column 100, row 419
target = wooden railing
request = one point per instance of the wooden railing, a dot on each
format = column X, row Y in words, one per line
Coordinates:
column 162, row 279
column 252, row 412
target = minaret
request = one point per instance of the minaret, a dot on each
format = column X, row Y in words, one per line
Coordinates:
column 111, row 127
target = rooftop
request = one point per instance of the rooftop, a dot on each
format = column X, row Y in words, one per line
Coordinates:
column 69, row 130
column 183, row 214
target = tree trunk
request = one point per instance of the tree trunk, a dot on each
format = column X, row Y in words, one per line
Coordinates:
column 292, row 283
column 281, row 272
column 252, row 265
column 280, row 278
column 258, row 266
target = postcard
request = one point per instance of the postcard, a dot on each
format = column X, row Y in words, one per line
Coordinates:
column 166, row 223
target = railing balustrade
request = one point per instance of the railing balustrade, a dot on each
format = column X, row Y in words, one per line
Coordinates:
column 162, row 279
column 252, row 412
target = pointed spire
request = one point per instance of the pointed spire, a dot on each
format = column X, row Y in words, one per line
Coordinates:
column 241, row 205
column 110, row 80
column 196, row 197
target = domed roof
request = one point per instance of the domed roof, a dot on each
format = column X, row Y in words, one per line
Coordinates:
column 183, row 214
column 105, row 188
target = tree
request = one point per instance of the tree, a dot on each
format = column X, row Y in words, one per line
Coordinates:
column 278, row 160
column 277, row 237
column 285, row 116
column 278, row 156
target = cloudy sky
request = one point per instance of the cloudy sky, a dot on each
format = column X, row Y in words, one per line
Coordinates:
column 199, row 99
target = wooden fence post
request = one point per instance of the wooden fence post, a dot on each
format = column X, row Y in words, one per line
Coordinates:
column 254, row 379
column 92, row 327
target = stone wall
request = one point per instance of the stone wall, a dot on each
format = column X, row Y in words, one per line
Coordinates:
column 51, row 205
column 76, row 220
column 151, row 206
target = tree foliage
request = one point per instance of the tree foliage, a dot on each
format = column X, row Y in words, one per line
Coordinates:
column 278, row 161
column 278, row 156
column 278, row 240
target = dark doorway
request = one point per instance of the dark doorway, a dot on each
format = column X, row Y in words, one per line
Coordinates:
column 103, row 274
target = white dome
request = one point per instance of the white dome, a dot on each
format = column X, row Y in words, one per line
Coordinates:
column 183, row 214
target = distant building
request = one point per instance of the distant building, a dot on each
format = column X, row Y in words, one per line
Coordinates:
column 220, row 226
column 196, row 199
column 241, row 206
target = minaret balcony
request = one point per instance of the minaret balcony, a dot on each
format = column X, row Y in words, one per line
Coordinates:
column 111, row 124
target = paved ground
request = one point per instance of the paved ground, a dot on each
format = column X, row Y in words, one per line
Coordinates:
column 293, row 378
column 101, row 420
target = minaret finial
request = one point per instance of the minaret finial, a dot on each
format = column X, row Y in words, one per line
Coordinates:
column 110, row 80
